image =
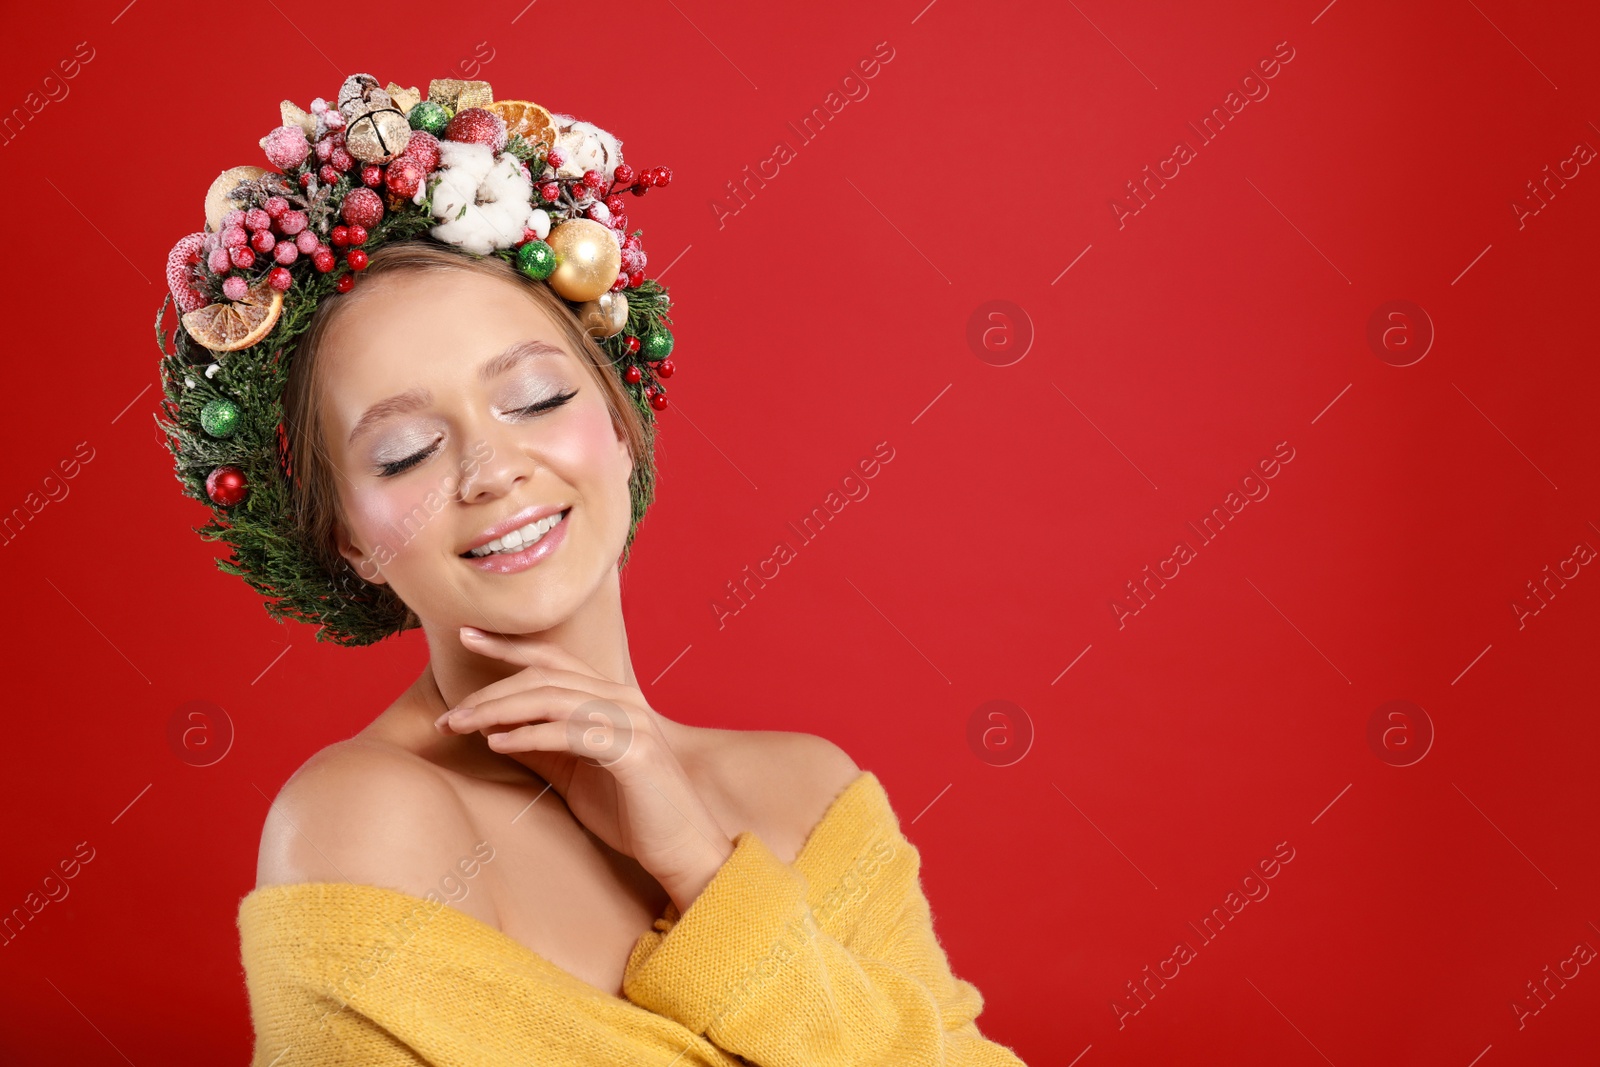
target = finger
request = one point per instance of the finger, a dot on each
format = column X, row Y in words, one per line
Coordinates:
column 599, row 746
column 540, row 703
column 536, row 737
column 532, row 678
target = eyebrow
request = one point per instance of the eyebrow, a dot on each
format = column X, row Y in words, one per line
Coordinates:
column 415, row 398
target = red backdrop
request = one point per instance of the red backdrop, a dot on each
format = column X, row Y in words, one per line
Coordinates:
column 1269, row 432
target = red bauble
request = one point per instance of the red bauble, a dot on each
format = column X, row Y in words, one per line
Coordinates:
column 226, row 486
column 476, row 125
column 363, row 207
column 404, row 177
column 358, row 235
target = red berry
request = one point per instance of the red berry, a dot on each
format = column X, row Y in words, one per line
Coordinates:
column 356, row 258
column 633, row 344
column 328, row 174
column 306, row 241
column 345, row 283
column 242, row 257
column 623, row 174
column 659, row 401
column 292, row 222
column 305, row 179
column 234, row 237
column 342, row 159
column 662, row 176
column 219, row 261
column 358, row 235
column 649, row 390
column 639, row 188
column 636, row 279
column 621, row 282
column 632, row 374
column 257, row 220
column 555, row 157
column 276, row 205
column 550, row 191
column 285, row 252
column 323, row 258
column 234, row 217
column 339, row 236
column 280, row 278
column 372, row 175
column 665, row 369
column 593, row 179
column 476, row 125
column 615, row 204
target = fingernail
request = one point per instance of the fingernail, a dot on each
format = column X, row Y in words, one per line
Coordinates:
column 472, row 632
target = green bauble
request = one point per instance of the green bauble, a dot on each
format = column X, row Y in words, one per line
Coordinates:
column 427, row 115
column 657, row 344
column 536, row 259
column 219, row 418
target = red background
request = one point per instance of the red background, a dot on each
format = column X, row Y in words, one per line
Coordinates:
column 831, row 313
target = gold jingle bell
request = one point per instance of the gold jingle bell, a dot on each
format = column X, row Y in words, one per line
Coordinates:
column 588, row 259
column 378, row 135
column 605, row 315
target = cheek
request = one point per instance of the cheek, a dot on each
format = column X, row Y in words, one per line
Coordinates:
column 387, row 520
column 588, row 451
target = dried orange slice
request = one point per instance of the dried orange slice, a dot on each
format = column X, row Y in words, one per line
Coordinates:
column 236, row 324
column 528, row 119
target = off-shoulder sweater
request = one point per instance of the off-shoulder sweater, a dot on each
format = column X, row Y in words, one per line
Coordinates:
column 829, row 961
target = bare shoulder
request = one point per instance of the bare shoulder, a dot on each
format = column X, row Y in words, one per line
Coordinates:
column 365, row 812
column 778, row 782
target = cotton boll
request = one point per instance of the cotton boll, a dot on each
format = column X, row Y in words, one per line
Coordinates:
column 483, row 199
column 585, row 146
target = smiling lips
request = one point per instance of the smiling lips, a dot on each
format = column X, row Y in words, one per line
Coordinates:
column 523, row 546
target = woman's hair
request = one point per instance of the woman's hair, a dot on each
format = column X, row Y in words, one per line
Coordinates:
column 313, row 487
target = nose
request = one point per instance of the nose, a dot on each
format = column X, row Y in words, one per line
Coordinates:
column 494, row 467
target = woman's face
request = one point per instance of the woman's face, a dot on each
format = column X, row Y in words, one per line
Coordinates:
column 453, row 409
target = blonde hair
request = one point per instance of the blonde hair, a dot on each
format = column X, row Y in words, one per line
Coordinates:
column 313, row 489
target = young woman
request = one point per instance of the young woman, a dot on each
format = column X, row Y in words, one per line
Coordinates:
column 520, row 859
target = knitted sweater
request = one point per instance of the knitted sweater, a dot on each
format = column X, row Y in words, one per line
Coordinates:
column 826, row 962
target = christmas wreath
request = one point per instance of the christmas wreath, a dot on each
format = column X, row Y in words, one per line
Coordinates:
column 489, row 177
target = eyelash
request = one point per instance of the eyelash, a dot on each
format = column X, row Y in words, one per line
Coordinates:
column 400, row 466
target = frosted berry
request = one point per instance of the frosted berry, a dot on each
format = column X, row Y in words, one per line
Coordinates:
column 342, row 159
column 285, row 253
column 292, row 222
column 262, row 241
column 234, row 287
column 372, row 175
column 324, row 150
column 323, row 258
column 636, row 278
column 257, row 220
column 555, row 157
column 663, row 175
column 219, row 261
column 550, row 191
column 623, row 174
column 356, row 258
column 306, row 241
column 476, row 125
column 242, row 258
column 280, row 278
column 328, row 174
column 276, row 206
column 358, row 235
column 593, row 179
column 286, row 147
column 233, row 235
column 339, row 236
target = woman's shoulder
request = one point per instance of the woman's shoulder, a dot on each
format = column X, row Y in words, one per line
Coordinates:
column 367, row 812
column 779, row 782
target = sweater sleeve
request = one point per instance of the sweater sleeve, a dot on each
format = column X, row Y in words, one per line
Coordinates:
column 860, row 980
column 298, row 1029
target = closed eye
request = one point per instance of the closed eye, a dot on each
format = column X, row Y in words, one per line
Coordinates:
column 399, row 466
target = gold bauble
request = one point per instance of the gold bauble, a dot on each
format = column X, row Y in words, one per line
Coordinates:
column 218, row 202
column 377, row 136
column 605, row 315
column 588, row 259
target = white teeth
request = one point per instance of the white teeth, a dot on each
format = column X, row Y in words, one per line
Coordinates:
column 517, row 540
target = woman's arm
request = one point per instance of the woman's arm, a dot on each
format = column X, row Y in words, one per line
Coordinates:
column 761, row 974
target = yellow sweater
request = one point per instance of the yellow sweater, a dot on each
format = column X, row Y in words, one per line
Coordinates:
column 829, row 961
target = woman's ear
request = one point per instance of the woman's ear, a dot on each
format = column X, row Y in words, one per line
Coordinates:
column 365, row 564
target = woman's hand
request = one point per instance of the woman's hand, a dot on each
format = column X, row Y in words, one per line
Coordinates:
column 598, row 745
